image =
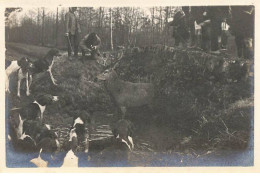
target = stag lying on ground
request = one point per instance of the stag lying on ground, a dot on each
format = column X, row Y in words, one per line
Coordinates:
column 127, row 94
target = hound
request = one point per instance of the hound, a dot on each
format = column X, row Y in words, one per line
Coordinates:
column 22, row 66
column 46, row 63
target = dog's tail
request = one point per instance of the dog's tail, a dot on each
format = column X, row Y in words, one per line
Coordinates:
column 13, row 109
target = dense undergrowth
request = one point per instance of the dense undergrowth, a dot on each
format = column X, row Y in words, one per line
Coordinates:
column 198, row 93
column 206, row 97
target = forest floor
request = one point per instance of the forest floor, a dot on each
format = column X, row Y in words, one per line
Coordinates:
column 157, row 143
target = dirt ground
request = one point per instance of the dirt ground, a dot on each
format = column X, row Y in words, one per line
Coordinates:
column 156, row 143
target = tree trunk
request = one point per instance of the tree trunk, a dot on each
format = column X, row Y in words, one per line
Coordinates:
column 43, row 17
column 99, row 18
column 38, row 27
column 57, row 27
column 161, row 24
column 111, row 29
column 165, row 27
column 90, row 20
column 153, row 25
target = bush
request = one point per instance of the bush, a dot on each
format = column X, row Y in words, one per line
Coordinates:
column 193, row 89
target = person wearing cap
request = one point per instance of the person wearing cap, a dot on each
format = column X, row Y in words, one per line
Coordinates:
column 89, row 43
column 72, row 31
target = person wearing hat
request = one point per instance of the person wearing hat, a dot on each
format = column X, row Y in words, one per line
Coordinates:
column 72, row 31
column 90, row 43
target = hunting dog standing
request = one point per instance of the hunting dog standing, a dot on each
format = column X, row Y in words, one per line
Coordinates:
column 22, row 66
column 46, row 63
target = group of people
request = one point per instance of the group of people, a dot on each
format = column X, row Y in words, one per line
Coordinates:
column 207, row 27
column 87, row 44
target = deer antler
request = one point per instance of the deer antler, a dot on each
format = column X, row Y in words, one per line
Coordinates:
column 118, row 59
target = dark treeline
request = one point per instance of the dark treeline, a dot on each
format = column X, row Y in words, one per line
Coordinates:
column 131, row 26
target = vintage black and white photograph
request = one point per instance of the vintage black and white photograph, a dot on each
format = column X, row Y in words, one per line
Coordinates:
column 129, row 86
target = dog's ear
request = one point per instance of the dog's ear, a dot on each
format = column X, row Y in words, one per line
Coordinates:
column 54, row 52
column 115, row 132
column 44, row 99
column 29, row 60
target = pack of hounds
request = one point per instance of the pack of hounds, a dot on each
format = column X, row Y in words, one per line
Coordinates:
column 28, row 134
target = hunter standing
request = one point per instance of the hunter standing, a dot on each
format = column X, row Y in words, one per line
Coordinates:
column 242, row 27
column 72, row 32
column 180, row 28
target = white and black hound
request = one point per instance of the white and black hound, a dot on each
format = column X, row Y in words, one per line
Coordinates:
column 32, row 111
column 122, row 140
column 116, row 150
column 48, row 140
column 36, row 109
column 31, row 135
column 22, row 66
column 47, row 144
column 46, row 63
column 123, row 131
column 78, row 134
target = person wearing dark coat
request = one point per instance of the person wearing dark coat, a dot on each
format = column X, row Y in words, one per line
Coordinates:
column 72, row 31
column 216, row 14
column 186, row 10
column 89, row 43
column 180, row 29
column 242, row 27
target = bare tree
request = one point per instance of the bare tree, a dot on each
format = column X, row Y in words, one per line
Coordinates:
column 111, row 29
column 169, row 12
column 130, row 26
column 43, row 21
column 57, row 26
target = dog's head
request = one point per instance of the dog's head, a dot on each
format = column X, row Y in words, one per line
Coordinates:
column 26, row 142
column 73, row 139
column 46, row 99
column 47, row 131
column 54, row 52
column 49, row 135
column 25, row 64
column 48, row 146
column 122, row 131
